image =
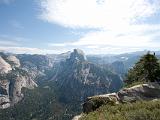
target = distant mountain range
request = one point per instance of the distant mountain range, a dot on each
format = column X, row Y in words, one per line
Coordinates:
column 71, row 77
column 79, row 78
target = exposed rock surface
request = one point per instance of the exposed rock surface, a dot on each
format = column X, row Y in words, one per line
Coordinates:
column 77, row 55
column 4, row 66
column 19, row 83
column 36, row 65
column 77, row 117
column 4, row 94
column 77, row 75
column 92, row 103
column 12, row 80
column 4, row 102
column 150, row 91
column 14, row 62
column 4, row 87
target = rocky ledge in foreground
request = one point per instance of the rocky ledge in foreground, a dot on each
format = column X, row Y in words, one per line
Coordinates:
column 149, row 91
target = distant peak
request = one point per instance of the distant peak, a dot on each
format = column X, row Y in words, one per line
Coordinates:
column 78, row 54
column 78, row 51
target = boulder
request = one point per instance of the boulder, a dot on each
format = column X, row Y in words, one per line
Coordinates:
column 77, row 117
column 92, row 103
column 150, row 91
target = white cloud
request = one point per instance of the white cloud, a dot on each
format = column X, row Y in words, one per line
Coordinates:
column 108, row 14
column 57, row 44
column 117, row 21
column 28, row 50
column 8, row 43
column 128, row 40
column 16, row 44
column 14, row 39
column 11, row 41
column 6, row 40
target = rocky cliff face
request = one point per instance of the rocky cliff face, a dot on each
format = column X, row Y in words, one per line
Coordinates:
column 35, row 65
column 4, row 66
column 17, row 85
column 13, row 61
column 79, row 78
column 150, row 91
column 39, row 66
column 12, row 80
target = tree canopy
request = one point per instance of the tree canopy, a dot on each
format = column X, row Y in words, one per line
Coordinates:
column 146, row 69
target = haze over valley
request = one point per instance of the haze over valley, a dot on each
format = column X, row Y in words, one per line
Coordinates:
column 79, row 60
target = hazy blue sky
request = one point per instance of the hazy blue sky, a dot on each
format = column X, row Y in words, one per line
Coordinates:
column 95, row 26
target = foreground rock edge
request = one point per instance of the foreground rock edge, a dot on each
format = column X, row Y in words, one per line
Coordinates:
column 141, row 92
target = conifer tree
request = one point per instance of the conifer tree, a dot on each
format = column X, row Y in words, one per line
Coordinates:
column 146, row 69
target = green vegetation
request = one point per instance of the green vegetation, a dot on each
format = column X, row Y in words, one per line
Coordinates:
column 41, row 103
column 142, row 110
column 32, row 107
column 61, row 100
column 147, row 69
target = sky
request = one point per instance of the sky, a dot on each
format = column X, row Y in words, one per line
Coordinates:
column 95, row 26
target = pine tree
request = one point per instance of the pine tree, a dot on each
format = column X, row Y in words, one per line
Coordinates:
column 146, row 69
